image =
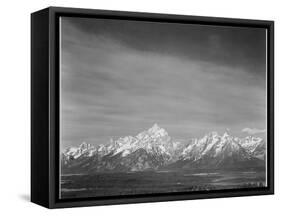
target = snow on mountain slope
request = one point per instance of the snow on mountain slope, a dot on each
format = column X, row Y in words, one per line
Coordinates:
column 154, row 149
column 149, row 150
column 255, row 146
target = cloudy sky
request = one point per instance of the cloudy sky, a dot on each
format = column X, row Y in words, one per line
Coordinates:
column 120, row 77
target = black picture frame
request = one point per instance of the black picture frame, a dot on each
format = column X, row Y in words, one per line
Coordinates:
column 45, row 106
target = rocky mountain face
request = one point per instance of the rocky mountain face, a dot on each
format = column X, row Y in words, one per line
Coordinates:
column 154, row 149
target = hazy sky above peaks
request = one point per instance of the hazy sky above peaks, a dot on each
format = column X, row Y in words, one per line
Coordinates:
column 120, row 77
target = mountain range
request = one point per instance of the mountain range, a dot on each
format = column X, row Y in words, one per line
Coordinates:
column 154, row 149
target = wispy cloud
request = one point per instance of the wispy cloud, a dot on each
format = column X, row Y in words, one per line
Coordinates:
column 110, row 88
column 253, row 131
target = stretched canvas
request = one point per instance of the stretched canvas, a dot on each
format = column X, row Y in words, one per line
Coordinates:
column 157, row 107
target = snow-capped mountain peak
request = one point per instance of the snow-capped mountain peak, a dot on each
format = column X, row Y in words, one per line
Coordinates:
column 154, row 128
column 154, row 148
column 157, row 131
column 226, row 134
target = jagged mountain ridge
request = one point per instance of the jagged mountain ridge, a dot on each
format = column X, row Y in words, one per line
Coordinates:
column 154, row 149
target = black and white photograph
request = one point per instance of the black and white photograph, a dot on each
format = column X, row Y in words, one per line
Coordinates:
column 156, row 107
column 139, row 108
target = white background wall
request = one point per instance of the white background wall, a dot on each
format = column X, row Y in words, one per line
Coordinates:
column 15, row 106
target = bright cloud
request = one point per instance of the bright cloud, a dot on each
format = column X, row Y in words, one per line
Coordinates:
column 252, row 131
